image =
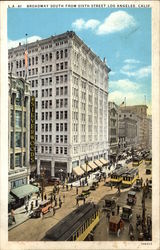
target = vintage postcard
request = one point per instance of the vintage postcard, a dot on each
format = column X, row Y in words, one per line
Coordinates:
column 79, row 125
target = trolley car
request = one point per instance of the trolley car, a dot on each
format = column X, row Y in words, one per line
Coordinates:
column 130, row 177
column 76, row 226
column 137, row 161
column 116, row 176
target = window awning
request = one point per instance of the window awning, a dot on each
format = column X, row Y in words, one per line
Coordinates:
column 104, row 161
column 10, row 198
column 24, row 190
column 92, row 164
column 98, row 163
column 86, row 168
column 78, row 171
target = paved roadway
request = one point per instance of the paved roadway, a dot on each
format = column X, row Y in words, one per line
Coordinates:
column 34, row 229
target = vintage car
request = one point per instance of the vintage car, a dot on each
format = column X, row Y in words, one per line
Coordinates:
column 138, row 185
column 116, row 225
column 131, row 199
column 44, row 207
column 126, row 213
column 109, row 205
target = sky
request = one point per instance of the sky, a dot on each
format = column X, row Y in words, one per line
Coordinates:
column 122, row 36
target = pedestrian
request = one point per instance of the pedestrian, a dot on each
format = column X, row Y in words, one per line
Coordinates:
column 31, row 209
column 84, row 200
column 54, row 210
column 67, row 187
column 26, row 208
column 55, row 202
column 36, row 203
column 13, row 216
column 60, row 203
column 77, row 203
column 77, row 190
column 63, row 197
column 51, row 199
column 118, row 207
column 111, row 185
column 45, row 197
column 71, row 186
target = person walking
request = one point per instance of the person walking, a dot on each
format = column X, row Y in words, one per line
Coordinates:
column 54, row 210
column 118, row 207
column 31, row 209
column 26, row 208
column 76, row 190
column 13, row 216
column 45, row 197
column 63, row 197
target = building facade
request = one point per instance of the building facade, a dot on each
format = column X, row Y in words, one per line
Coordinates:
column 70, row 85
column 19, row 132
column 127, row 130
column 140, row 111
column 113, row 130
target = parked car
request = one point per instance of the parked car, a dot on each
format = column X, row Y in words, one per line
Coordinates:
column 44, row 207
column 109, row 205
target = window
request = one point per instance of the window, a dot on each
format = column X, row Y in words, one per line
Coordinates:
column 57, row 55
column 50, row 103
column 50, row 92
column 65, row 126
column 32, row 60
column 36, row 116
column 57, row 79
column 61, row 54
column 36, row 127
column 65, row 102
column 57, row 150
column 42, row 115
column 46, row 128
column 50, row 115
column 50, row 138
column 42, row 149
column 57, row 114
column 65, row 78
column 32, row 83
column 18, row 160
column 66, row 52
column 46, row 68
column 50, row 56
column 36, row 93
column 42, row 58
column 46, row 104
column 57, row 103
column 18, row 99
column 36, row 71
column 57, row 126
column 42, row 82
column 61, row 79
column 12, row 118
column 61, row 66
column 36, row 83
column 50, row 127
column 61, row 127
column 65, row 90
column 61, row 138
column 57, row 138
column 65, row 114
column 61, row 115
column 42, row 92
column 42, row 127
column 36, row 105
column 46, row 138
column 61, row 91
column 42, row 138
column 50, row 68
column 57, row 91
column 46, row 57
column 42, row 104
column 43, row 69
column 65, row 139
column 36, row 59
column 57, row 66
column 11, row 161
column 66, row 65
column 61, row 103
column 12, row 140
column 50, row 80
column 18, row 137
column 46, row 115
column 18, row 119
column 50, row 150
column 61, row 150
column 65, row 150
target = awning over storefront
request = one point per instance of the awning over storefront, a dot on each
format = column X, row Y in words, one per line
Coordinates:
column 10, row 198
column 105, row 162
column 86, row 167
column 24, row 190
column 78, row 171
column 92, row 164
column 98, row 163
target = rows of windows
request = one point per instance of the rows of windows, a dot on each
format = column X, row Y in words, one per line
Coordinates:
column 61, row 79
column 60, row 54
column 35, row 93
column 46, row 127
column 18, row 139
column 46, row 104
column 46, row 81
column 46, row 149
column 61, row 42
column 46, row 116
column 61, row 66
column 46, row 138
column 61, row 150
column 34, row 83
column 33, row 71
column 17, row 162
column 61, row 127
column 46, row 57
column 62, row 91
column 60, row 103
column 61, row 139
column 46, row 92
column 20, row 73
column 46, row 69
column 18, row 118
column 18, row 183
column 61, row 115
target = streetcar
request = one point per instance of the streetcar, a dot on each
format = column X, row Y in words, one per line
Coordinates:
column 76, row 226
column 130, row 177
column 116, row 176
column 137, row 160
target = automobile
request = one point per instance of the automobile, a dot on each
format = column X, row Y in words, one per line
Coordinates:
column 109, row 205
column 138, row 185
column 54, row 181
column 44, row 207
column 116, row 225
column 126, row 213
column 131, row 199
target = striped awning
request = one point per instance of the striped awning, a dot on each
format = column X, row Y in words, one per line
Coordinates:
column 104, row 161
column 86, row 167
column 98, row 163
column 92, row 164
column 78, row 171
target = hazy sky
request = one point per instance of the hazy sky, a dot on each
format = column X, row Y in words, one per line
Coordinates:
column 122, row 36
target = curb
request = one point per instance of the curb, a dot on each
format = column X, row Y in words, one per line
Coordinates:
column 17, row 224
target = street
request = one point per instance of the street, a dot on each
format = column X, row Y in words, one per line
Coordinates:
column 35, row 229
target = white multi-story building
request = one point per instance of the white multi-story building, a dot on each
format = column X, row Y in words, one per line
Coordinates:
column 70, row 84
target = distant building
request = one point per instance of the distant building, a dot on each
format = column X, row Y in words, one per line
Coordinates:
column 127, row 130
column 19, row 132
column 112, row 130
column 140, row 113
column 149, row 128
column 70, row 85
